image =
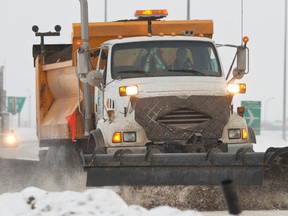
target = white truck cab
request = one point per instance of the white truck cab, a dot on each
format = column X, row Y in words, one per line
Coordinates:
column 149, row 95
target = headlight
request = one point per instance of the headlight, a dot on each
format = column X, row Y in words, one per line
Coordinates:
column 128, row 90
column 237, row 133
column 129, row 137
column 235, row 88
column 234, row 133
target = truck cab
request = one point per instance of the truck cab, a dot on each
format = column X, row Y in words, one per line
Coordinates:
column 150, row 95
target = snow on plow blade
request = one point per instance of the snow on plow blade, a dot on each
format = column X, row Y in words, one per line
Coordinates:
column 176, row 169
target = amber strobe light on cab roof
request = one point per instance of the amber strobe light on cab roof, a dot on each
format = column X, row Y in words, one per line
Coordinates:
column 235, row 88
column 151, row 13
column 128, row 90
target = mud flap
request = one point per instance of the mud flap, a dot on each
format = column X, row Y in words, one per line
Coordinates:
column 176, row 169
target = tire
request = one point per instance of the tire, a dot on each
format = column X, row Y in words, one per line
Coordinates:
column 96, row 139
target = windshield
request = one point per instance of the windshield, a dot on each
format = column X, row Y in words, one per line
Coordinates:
column 164, row 58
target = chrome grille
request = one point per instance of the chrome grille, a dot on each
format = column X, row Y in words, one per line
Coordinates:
column 183, row 118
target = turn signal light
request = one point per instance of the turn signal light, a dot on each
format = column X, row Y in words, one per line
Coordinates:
column 244, row 134
column 235, row 88
column 117, row 137
column 128, row 90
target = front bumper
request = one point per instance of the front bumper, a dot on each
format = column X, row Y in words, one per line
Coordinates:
column 234, row 148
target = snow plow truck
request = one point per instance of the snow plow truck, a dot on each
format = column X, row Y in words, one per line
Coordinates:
column 145, row 102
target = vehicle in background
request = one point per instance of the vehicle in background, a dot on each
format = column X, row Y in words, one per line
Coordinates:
column 8, row 137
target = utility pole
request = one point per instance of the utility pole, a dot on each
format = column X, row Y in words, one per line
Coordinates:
column 29, row 107
column 105, row 11
column 284, row 76
column 188, row 9
column 2, row 91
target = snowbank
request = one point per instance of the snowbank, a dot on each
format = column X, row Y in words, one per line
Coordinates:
column 36, row 202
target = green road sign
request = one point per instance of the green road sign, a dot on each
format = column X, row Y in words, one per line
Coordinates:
column 15, row 104
column 252, row 115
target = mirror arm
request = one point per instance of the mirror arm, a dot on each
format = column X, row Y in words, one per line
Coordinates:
column 230, row 69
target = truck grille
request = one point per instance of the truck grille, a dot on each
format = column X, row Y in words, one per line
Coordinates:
column 175, row 118
column 183, row 118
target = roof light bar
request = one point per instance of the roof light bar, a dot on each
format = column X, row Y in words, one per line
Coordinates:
column 151, row 13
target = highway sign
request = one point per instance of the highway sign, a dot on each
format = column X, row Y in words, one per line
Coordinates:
column 15, row 104
column 252, row 115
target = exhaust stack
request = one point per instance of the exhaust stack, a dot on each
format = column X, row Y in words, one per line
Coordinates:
column 83, row 67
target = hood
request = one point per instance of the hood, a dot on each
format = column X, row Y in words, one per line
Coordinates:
column 177, row 86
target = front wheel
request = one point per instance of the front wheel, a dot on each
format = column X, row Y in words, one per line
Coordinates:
column 97, row 140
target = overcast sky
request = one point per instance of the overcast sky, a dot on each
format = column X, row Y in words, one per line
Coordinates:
column 263, row 23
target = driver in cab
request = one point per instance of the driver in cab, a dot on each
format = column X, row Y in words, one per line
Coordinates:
column 182, row 62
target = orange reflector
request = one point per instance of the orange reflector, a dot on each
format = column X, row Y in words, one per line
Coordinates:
column 244, row 134
column 78, row 43
column 240, row 111
column 245, row 39
column 151, row 13
column 117, row 137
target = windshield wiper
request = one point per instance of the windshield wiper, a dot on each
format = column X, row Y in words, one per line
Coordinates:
column 188, row 71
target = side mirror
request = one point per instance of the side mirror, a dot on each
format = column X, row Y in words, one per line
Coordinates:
column 95, row 78
column 239, row 71
column 241, row 58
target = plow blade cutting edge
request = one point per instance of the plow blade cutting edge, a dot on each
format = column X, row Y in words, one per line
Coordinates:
column 176, row 169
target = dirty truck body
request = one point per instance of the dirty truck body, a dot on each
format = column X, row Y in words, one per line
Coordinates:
column 120, row 106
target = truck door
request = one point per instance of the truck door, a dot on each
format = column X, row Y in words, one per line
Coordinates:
column 99, row 93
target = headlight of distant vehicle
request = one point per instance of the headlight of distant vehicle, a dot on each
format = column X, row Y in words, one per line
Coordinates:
column 10, row 140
